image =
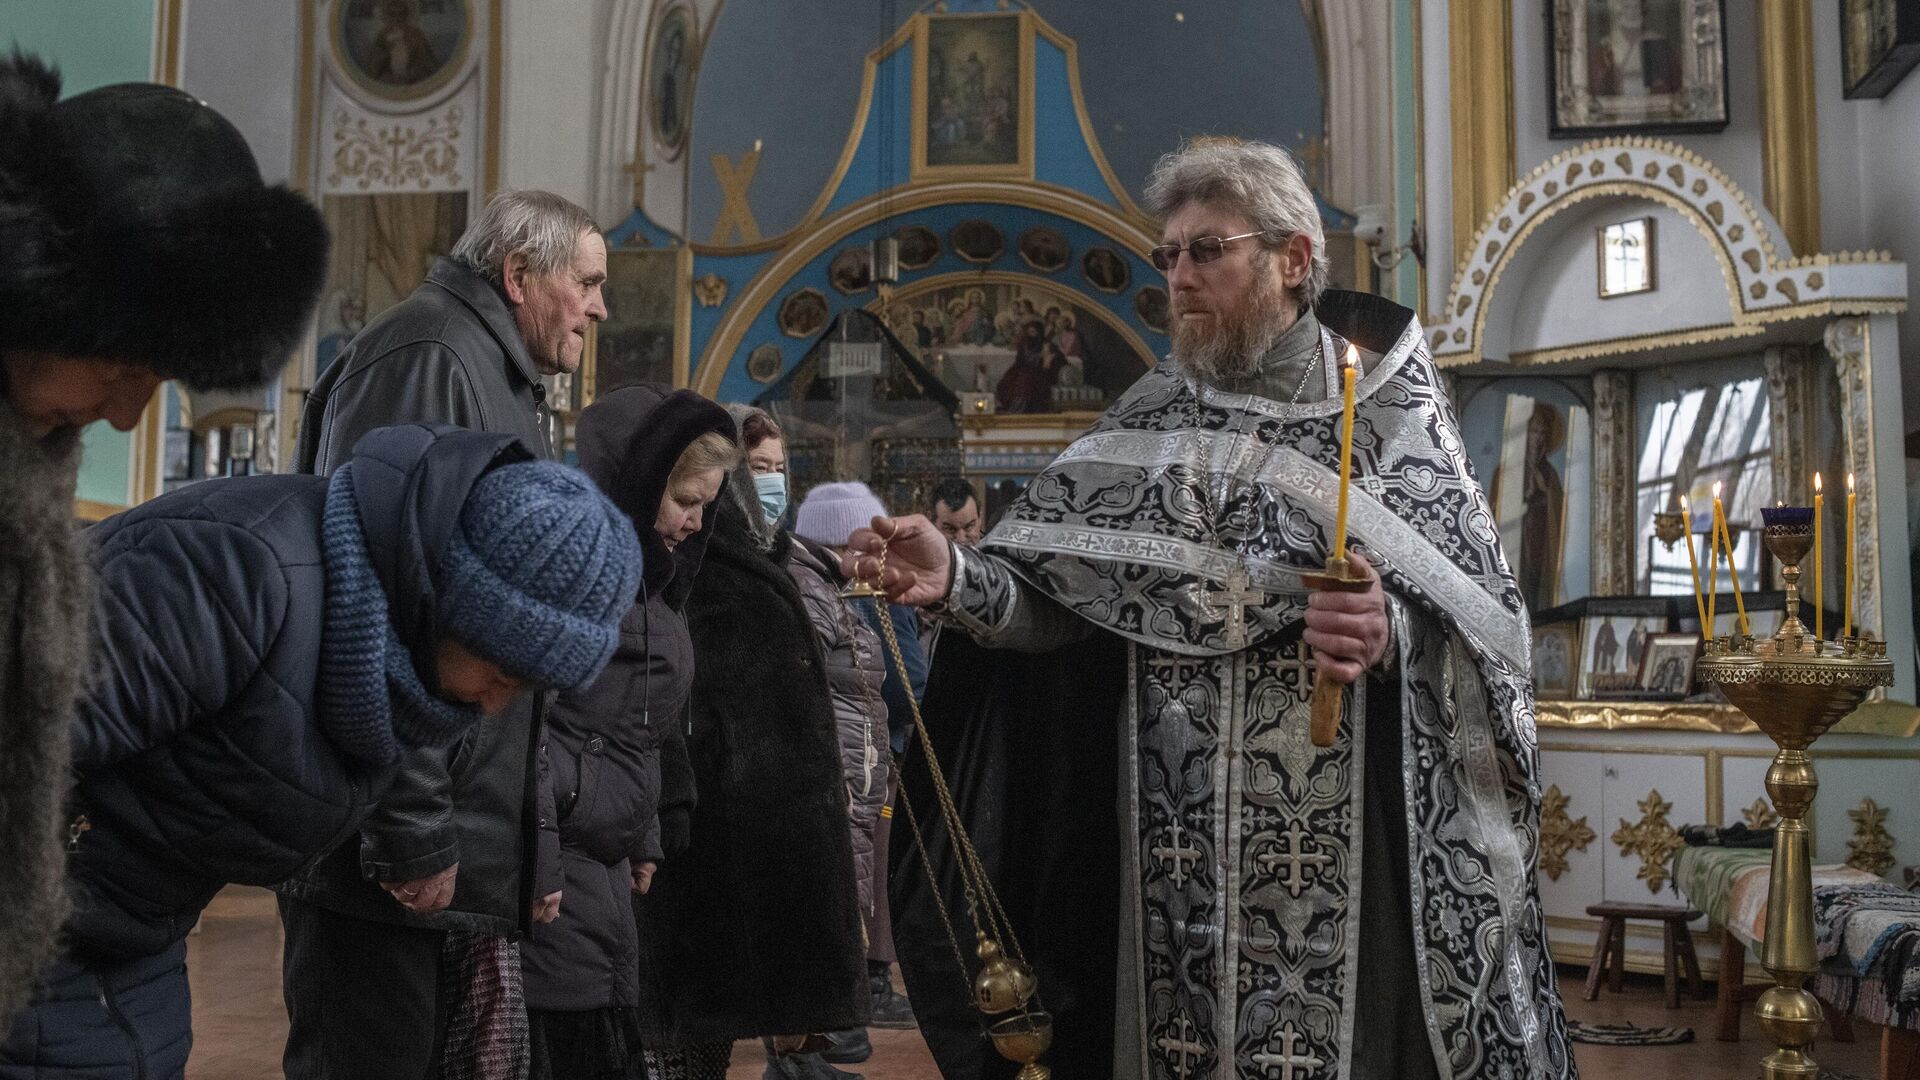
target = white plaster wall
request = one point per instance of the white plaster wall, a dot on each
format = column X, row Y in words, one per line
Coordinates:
column 1550, row 294
column 242, row 58
column 550, row 80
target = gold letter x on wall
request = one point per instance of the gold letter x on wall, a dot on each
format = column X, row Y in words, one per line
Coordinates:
column 735, row 214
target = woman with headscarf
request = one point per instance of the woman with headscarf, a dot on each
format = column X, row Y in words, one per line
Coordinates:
column 752, row 929
column 662, row 456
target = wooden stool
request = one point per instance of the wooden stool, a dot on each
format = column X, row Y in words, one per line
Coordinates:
column 1610, row 952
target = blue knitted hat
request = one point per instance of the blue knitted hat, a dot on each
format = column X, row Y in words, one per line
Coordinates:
column 539, row 574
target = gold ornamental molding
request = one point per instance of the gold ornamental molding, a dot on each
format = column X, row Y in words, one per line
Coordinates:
column 1760, row 815
column 404, row 155
column 1559, row 833
column 1763, row 287
column 1480, row 87
column 1849, row 342
column 1789, row 135
column 1871, row 848
column 1652, row 839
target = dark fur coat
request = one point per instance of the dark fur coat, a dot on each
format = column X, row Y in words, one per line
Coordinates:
column 45, row 589
column 754, row 929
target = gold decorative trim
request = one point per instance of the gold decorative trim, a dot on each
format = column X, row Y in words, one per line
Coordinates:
column 166, row 41
column 1613, row 483
column 303, row 119
column 765, row 285
column 682, row 316
column 1871, row 847
column 1652, row 839
column 1760, row 815
column 1120, row 194
column 1480, row 86
column 400, row 156
column 93, row 510
column 1849, row 342
column 1762, row 287
column 1559, row 833
column 1624, row 716
column 490, row 147
column 710, row 289
column 1789, row 132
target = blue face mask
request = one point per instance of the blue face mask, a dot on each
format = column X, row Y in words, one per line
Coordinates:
column 773, row 495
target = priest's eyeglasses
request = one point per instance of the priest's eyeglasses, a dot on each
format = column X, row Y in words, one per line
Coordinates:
column 1203, row 249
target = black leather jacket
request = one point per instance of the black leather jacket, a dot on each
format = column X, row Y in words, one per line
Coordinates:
column 452, row 353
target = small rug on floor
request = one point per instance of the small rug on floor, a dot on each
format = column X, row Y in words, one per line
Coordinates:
column 1627, row 1034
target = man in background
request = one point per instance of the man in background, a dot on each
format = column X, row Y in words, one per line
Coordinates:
column 956, row 512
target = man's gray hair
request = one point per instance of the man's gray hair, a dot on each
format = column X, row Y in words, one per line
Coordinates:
column 537, row 224
column 1259, row 180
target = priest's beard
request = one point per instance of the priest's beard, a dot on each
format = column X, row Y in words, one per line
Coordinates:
column 1230, row 347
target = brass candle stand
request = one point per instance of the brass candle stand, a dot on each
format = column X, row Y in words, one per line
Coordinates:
column 1793, row 687
column 1004, row 986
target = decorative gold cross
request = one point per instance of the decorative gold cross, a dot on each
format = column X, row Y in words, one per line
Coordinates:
column 638, row 169
column 736, row 215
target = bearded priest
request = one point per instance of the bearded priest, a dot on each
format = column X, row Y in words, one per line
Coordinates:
column 1364, row 911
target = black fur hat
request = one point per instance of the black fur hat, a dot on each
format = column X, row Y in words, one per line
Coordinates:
column 134, row 226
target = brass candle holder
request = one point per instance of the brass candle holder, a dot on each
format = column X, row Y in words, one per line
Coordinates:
column 1793, row 687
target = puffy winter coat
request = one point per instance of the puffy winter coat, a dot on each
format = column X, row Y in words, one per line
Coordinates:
column 856, row 667
column 203, row 755
column 601, row 776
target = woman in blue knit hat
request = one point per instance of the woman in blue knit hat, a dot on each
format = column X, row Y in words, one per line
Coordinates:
column 268, row 647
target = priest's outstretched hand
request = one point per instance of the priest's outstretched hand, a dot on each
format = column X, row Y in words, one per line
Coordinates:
column 1348, row 630
column 918, row 568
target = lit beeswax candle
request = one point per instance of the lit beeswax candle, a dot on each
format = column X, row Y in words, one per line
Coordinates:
column 1693, row 565
column 1819, row 574
column 1846, row 620
column 1733, row 575
column 1347, row 374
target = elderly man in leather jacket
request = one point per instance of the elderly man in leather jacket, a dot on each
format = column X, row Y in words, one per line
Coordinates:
column 431, row 897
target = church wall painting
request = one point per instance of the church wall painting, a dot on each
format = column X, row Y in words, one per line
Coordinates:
column 670, row 66
column 383, row 246
column 973, row 96
column 1034, row 348
column 1613, row 645
column 1531, row 444
column 644, row 337
column 1636, row 67
column 401, row 50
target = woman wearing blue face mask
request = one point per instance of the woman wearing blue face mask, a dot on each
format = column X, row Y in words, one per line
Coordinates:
column 752, row 926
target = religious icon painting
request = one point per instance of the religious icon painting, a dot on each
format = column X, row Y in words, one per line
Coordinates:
column 1879, row 44
column 764, row 363
column 1151, row 304
column 401, row 50
column 1636, row 67
column 670, row 64
column 973, row 96
column 851, row 270
column 1044, row 249
column 1613, row 641
column 1556, row 660
column 1666, row 666
column 919, row 247
column 803, row 313
column 1106, row 270
column 977, row 241
column 645, row 335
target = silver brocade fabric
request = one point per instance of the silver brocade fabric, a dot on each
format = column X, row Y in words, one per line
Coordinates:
column 1247, row 838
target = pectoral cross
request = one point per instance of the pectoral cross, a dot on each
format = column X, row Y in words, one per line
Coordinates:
column 1176, row 854
column 1182, row 1046
column 1234, row 600
column 1292, row 1058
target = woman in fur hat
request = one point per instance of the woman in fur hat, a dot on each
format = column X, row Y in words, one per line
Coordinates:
column 141, row 245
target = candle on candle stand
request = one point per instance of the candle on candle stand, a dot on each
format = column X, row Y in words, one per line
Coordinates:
column 1733, row 575
column 1713, row 582
column 1846, row 620
column 1693, row 566
column 1347, row 373
column 1819, row 576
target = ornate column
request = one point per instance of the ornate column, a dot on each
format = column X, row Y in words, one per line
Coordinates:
column 1790, row 403
column 1480, row 87
column 1849, row 341
column 1789, row 139
column 1615, row 528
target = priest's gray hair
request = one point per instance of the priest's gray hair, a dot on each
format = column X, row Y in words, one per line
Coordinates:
column 537, row 224
column 1257, row 179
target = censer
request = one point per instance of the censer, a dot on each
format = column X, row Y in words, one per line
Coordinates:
column 1003, row 989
